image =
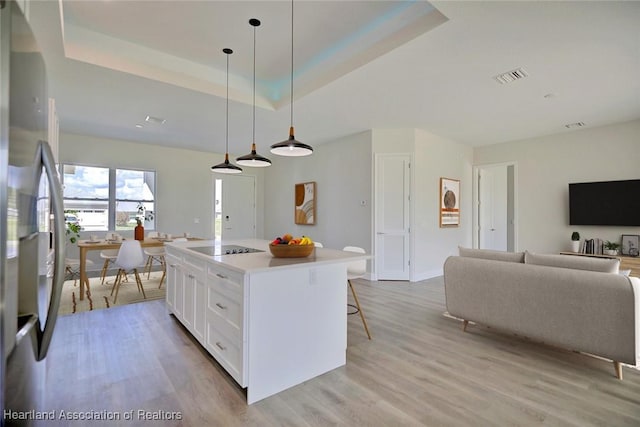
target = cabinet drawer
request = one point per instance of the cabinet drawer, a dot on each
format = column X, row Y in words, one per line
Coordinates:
column 228, row 308
column 227, row 351
column 222, row 276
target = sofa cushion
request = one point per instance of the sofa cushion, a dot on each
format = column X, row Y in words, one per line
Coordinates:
column 603, row 265
column 491, row 254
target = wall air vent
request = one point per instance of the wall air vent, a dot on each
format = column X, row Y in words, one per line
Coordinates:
column 511, row 76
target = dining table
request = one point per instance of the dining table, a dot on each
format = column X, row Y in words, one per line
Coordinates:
column 85, row 246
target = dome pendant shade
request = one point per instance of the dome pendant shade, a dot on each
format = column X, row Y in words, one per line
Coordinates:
column 226, row 166
column 290, row 147
column 253, row 159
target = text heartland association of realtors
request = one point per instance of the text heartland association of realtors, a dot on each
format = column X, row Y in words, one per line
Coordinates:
column 132, row 414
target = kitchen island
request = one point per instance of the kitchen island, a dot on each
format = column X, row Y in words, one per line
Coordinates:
column 271, row 323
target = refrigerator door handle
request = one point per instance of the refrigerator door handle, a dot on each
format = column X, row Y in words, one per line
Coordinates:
column 59, row 235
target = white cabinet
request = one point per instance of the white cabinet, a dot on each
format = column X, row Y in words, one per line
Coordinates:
column 271, row 324
column 225, row 338
column 174, row 274
column 193, row 283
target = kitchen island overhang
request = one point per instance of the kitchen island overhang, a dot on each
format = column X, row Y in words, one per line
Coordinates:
column 272, row 323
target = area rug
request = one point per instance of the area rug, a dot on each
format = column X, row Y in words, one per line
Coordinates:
column 100, row 296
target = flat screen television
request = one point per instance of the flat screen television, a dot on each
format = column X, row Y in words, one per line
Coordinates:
column 605, row 203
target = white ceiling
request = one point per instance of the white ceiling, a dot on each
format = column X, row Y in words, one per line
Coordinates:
column 358, row 64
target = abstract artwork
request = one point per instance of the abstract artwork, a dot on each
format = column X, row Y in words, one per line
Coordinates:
column 305, row 203
column 449, row 202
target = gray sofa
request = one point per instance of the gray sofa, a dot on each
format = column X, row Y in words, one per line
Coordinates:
column 572, row 302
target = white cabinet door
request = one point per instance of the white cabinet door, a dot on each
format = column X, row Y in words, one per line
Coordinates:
column 172, row 263
column 200, row 294
column 188, row 284
column 178, row 306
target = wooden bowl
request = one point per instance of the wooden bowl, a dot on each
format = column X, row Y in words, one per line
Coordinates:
column 291, row 251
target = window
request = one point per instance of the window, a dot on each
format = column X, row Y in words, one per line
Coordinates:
column 101, row 199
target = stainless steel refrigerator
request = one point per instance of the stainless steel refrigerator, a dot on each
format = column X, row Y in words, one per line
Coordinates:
column 32, row 228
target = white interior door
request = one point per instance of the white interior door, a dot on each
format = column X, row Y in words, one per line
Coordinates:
column 238, row 210
column 492, row 209
column 393, row 184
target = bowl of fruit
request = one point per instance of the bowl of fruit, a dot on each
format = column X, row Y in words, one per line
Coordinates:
column 288, row 246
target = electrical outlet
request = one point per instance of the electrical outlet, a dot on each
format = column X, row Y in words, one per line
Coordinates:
column 196, row 220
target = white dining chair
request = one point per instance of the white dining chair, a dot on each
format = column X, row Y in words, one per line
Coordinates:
column 109, row 256
column 130, row 258
column 355, row 270
column 155, row 254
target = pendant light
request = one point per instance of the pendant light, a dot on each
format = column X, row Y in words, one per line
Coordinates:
column 254, row 159
column 291, row 147
column 226, row 167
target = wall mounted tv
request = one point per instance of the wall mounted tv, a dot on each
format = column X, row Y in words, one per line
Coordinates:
column 605, row 203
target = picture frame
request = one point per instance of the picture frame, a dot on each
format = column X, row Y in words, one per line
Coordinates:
column 449, row 204
column 305, row 203
column 630, row 244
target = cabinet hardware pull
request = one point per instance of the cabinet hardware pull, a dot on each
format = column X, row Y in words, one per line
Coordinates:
column 221, row 306
column 172, row 265
column 220, row 346
column 191, row 276
column 222, row 276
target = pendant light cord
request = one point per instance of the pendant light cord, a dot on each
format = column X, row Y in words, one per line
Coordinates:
column 254, row 85
column 291, row 63
column 227, row 126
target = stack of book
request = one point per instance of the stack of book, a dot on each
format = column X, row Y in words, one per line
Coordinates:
column 592, row 246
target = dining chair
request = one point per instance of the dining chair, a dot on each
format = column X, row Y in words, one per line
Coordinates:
column 155, row 254
column 355, row 270
column 129, row 258
column 72, row 269
column 109, row 256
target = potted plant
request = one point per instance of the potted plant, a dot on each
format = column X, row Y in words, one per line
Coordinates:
column 73, row 232
column 575, row 242
column 610, row 248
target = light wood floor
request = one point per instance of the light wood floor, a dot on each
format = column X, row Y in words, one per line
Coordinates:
column 419, row 369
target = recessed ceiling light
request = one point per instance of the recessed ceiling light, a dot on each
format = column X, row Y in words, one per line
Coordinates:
column 139, row 125
column 574, row 125
column 156, row 120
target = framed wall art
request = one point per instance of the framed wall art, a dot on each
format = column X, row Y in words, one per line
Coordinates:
column 630, row 244
column 449, row 202
column 305, row 203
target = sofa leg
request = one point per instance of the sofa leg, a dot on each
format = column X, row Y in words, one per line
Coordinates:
column 618, row 367
column 464, row 325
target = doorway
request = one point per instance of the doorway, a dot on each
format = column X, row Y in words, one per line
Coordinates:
column 234, row 211
column 392, row 216
column 495, row 207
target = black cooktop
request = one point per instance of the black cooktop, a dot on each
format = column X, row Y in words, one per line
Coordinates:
column 224, row 250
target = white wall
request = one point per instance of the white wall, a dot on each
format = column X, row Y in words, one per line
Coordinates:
column 343, row 176
column 546, row 166
column 433, row 157
column 184, row 181
column 437, row 157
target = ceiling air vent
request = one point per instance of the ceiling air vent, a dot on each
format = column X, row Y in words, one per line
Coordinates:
column 511, row 76
column 574, row 125
column 156, row 120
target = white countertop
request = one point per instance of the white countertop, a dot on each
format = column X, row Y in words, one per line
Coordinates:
column 263, row 261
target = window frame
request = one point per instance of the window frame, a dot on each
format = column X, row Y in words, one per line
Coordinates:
column 111, row 197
